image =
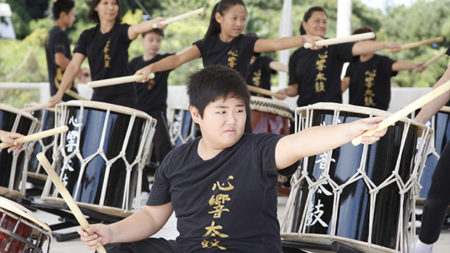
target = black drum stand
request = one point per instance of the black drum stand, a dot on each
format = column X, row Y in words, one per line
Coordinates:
column 66, row 218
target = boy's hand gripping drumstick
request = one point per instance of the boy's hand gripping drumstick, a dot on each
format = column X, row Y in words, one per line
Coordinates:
column 37, row 136
column 65, row 194
column 118, row 80
column 406, row 110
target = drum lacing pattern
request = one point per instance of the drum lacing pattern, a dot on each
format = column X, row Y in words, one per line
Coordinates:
column 271, row 106
column 40, row 142
column 139, row 161
column 404, row 237
column 12, row 188
column 31, row 243
column 178, row 129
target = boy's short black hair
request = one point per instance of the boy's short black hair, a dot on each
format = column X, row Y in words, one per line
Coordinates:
column 60, row 6
column 364, row 29
column 158, row 31
column 213, row 82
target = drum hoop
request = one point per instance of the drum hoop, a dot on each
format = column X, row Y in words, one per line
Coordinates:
column 354, row 109
column 22, row 211
column 29, row 240
column 328, row 239
column 260, row 104
column 106, row 106
column 12, row 109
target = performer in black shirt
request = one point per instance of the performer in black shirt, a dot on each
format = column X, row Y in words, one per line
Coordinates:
column 221, row 186
column 106, row 47
column 369, row 77
column 152, row 96
column 314, row 75
column 57, row 46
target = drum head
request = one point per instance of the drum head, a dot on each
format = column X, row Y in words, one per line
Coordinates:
column 22, row 212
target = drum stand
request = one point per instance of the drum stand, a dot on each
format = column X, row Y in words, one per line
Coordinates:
column 304, row 247
column 66, row 217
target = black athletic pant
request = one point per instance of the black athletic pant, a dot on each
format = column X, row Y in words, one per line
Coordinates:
column 437, row 200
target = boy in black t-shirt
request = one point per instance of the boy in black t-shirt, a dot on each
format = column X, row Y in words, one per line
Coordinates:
column 222, row 185
column 369, row 77
column 152, row 96
column 57, row 46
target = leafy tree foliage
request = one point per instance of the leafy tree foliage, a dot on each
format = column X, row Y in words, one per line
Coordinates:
column 24, row 60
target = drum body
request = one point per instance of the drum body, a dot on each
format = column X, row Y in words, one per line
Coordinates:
column 181, row 126
column 362, row 195
column 20, row 231
column 46, row 145
column 440, row 125
column 101, row 158
column 13, row 166
column 270, row 116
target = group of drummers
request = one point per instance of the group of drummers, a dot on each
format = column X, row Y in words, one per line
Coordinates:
column 222, row 184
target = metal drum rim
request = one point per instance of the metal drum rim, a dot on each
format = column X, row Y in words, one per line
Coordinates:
column 16, row 111
column 355, row 109
column 23, row 212
column 106, row 106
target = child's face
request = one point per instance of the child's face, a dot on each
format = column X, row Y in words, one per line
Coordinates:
column 223, row 122
column 152, row 43
column 233, row 21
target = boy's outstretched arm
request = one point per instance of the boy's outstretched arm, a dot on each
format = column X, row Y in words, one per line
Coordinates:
column 170, row 62
column 136, row 227
column 319, row 139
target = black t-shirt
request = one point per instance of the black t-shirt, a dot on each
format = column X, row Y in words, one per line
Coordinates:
column 232, row 196
column 259, row 74
column 108, row 58
column 57, row 42
column 370, row 82
column 318, row 73
column 151, row 96
column 235, row 54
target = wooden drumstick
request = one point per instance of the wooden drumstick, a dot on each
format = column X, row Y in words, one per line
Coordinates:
column 37, row 136
column 179, row 17
column 334, row 41
column 405, row 111
column 435, row 58
column 118, row 80
column 421, row 43
column 65, row 194
column 261, row 91
column 35, row 107
column 74, row 95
